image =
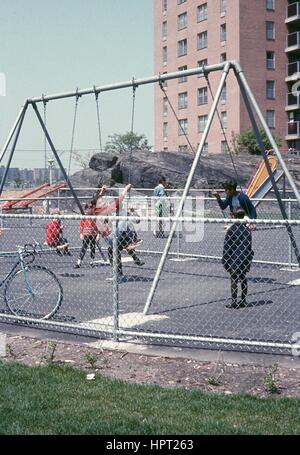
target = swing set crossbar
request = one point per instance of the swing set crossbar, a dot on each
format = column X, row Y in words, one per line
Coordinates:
column 128, row 84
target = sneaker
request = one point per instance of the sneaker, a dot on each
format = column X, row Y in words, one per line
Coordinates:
column 139, row 262
column 242, row 304
column 92, row 264
column 77, row 266
column 232, row 305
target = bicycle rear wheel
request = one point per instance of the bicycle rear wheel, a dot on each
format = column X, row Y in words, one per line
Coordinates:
column 33, row 293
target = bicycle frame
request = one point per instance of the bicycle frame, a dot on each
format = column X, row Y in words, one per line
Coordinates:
column 22, row 266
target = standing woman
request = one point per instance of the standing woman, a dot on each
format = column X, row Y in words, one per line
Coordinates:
column 237, row 257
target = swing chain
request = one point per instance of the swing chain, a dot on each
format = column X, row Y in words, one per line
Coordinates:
column 98, row 116
column 161, row 82
column 222, row 127
column 73, row 130
column 45, row 137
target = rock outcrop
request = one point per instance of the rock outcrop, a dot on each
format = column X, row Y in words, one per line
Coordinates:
column 143, row 168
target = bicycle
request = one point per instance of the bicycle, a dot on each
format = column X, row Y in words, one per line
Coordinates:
column 31, row 290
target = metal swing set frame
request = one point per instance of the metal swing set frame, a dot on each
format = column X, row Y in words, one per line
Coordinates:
column 252, row 110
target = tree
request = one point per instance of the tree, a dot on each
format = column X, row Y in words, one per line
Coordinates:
column 82, row 159
column 124, row 143
column 246, row 141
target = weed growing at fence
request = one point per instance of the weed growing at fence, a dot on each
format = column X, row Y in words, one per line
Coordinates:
column 91, row 359
column 50, row 351
column 270, row 381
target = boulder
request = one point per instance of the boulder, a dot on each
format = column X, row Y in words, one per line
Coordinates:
column 142, row 168
column 102, row 161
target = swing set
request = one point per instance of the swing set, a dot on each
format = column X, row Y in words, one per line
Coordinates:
column 251, row 107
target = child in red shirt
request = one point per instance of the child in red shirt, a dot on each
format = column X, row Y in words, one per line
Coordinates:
column 54, row 236
column 89, row 235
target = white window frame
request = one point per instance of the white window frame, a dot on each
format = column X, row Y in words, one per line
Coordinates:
column 182, row 100
column 182, row 21
column 273, row 123
column 202, row 39
column 202, row 121
column 268, row 30
column 184, row 125
column 202, row 12
column 202, row 94
column 182, row 47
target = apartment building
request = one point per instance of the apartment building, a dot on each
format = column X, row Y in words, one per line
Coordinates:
column 263, row 35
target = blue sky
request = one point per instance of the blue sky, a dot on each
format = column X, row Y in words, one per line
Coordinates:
column 60, row 45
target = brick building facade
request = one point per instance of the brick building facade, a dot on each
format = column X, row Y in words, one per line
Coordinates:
column 263, row 35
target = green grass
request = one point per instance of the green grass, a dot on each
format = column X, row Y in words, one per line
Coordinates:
column 59, row 400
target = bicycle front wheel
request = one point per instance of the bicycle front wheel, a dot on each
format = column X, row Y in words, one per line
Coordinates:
column 33, row 293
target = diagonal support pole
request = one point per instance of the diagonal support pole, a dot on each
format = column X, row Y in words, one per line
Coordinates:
column 267, row 163
column 243, row 82
column 17, row 131
column 57, row 158
column 187, row 188
column 5, row 147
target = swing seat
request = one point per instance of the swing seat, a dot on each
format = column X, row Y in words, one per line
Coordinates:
column 134, row 246
column 57, row 247
column 63, row 246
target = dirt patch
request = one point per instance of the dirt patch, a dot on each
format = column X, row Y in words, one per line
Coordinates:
column 218, row 377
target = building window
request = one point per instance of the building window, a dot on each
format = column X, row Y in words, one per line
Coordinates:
column 183, row 148
column 165, row 105
column 180, row 1
column 222, row 7
column 223, row 32
column 202, row 40
column 182, row 127
column 224, row 120
column 165, row 55
column 182, row 21
column 270, row 90
column 201, row 64
column 182, row 100
column 202, row 12
column 164, row 6
column 223, row 57
column 270, row 5
column 223, row 97
column 183, row 78
column 164, row 29
column 202, row 121
column 165, row 131
column 182, row 47
column 270, row 60
column 270, row 30
column 224, row 147
column 202, row 96
column 205, row 148
column 270, row 119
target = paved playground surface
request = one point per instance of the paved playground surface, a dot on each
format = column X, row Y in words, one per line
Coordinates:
column 192, row 293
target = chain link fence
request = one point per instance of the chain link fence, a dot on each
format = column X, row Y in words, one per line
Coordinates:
column 100, row 286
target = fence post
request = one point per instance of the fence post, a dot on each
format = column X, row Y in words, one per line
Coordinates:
column 115, row 283
column 290, row 242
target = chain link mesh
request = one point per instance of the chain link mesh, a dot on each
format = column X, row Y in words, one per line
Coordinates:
column 222, row 286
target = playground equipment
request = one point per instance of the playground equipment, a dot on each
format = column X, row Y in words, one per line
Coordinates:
column 38, row 193
column 251, row 107
column 261, row 183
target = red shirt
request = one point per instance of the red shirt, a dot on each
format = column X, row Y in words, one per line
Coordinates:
column 88, row 228
column 53, row 232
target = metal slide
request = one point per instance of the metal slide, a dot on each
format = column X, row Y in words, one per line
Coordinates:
column 41, row 193
column 9, row 204
column 261, row 184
